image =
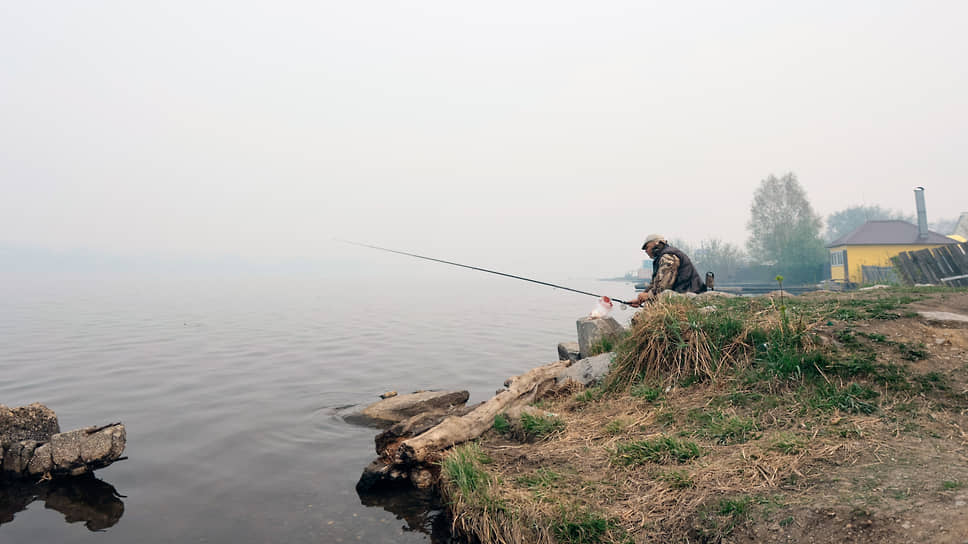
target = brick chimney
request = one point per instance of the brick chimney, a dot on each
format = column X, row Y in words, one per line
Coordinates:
column 922, row 213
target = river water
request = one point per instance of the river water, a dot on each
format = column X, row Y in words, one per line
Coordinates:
column 234, row 393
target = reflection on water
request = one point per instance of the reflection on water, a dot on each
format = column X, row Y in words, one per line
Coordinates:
column 219, row 378
column 83, row 498
column 420, row 509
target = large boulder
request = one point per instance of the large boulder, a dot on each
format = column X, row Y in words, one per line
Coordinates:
column 395, row 409
column 17, row 456
column 79, row 451
column 31, row 444
column 592, row 330
column 587, row 371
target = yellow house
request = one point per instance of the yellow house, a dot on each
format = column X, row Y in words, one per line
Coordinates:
column 873, row 244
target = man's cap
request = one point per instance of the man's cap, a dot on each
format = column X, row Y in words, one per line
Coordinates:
column 653, row 238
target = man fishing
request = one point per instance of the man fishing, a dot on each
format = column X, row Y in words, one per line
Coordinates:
column 671, row 269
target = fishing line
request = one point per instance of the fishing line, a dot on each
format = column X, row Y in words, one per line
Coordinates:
column 480, row 269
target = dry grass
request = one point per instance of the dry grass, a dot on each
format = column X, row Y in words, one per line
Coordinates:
column 798, row 455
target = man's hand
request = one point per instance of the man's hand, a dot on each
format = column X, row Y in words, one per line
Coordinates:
column 641, row 299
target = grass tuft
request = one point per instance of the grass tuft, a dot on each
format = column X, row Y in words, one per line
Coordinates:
column 660, row 450
column 540, row 426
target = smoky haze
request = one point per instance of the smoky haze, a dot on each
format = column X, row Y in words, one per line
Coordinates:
column 535, row 137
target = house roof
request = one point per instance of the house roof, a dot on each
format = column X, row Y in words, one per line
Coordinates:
column 889, row 233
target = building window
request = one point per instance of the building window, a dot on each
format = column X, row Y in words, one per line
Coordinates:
column 837, row 258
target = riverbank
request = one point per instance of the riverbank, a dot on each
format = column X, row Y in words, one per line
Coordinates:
column 824, row 417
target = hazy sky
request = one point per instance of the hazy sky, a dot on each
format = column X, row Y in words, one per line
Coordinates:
column 531, row 136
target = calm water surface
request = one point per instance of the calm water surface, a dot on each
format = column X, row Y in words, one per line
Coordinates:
column 234, row 393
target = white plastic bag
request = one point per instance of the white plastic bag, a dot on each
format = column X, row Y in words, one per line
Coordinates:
column 603, row 308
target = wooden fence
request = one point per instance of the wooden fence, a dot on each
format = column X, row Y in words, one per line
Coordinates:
column 945, row 265
column 879, row 274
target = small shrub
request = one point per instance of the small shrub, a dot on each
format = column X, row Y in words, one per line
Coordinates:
column 949, row 485
column 501, row 424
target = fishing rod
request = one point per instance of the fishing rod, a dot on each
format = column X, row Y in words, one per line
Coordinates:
column 481, row 269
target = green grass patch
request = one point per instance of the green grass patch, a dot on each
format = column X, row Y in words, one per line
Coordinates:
column 932, row 381
column 616, row 426
column 781, row 352
column 592, row 394
column 912, row 352
column 540, row 481
column 501, row 424
column 603, row 345
column 951, row 485
column 677, row 479
column 646, row 393
column 788, row 443
column 854, row 398
column 661, row 450
column 874, row 337
column 735, row 507
column 583, row 528
column 540, row 426
column 720, row 518
column 463, row 468
column 721, row 428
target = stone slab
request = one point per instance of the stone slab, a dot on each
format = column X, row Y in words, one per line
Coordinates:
column 592, row 330
column 400, row 407
column 569, row 351
column 587, row 371
column 945, row 318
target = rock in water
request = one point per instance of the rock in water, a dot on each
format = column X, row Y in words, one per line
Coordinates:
column 401, row 407
column 34, row 422
column 31, row 444
column 592, row 330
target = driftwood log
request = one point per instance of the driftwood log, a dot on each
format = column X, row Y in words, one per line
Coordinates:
column 410, row 451
column 521, row 391
column 412, row 459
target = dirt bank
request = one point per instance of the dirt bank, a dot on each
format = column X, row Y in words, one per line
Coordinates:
column 820, row 418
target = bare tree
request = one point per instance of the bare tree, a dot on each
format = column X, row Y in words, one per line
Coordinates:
column 843, row 222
